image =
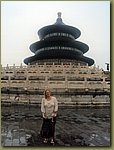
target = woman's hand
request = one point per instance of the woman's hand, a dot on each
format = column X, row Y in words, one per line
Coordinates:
column 44, row 115
column 54, row 114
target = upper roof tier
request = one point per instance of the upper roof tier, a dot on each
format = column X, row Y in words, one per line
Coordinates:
column 59, row 27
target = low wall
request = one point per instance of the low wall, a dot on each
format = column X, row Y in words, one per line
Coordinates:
column 63, row 100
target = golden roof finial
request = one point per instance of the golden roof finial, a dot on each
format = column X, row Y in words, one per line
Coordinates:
column 59, row 14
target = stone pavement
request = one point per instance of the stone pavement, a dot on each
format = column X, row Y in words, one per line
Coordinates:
column 74, row 127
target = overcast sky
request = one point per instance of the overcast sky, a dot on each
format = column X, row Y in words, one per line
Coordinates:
column 21, row 20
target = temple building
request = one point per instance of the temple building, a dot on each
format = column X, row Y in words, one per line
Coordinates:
column 58, row 62
column 57, row 42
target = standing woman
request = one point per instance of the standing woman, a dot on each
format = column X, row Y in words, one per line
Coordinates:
column 49, row 108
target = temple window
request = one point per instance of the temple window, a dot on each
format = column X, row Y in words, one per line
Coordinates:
column 59, row 34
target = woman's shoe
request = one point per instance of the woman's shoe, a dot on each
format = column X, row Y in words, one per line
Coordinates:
column 45, row 141
column 52, row 141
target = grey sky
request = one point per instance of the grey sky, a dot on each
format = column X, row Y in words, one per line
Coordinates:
column 21, row 20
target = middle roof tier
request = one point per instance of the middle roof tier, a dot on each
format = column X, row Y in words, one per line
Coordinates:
column 70, row 44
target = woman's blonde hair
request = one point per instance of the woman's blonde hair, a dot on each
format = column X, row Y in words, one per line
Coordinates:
column 45, row 93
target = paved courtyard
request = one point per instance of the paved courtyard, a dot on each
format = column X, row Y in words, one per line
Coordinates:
column 75, row 127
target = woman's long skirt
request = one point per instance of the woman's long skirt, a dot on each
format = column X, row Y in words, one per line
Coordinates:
column 48, row 128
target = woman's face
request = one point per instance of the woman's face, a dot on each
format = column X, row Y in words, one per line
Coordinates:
column 48, row 93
